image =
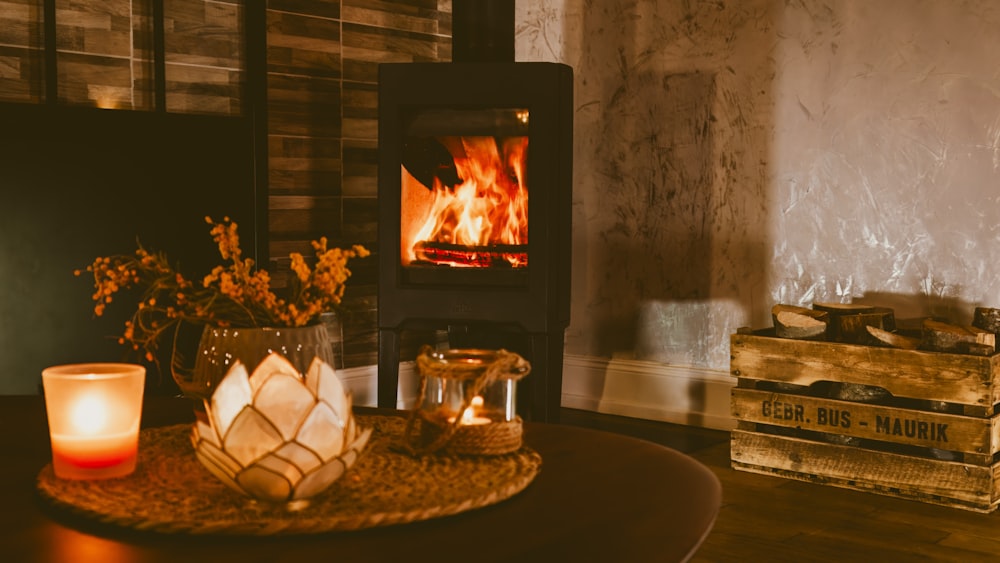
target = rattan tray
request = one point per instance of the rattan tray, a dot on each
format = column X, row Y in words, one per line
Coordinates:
column 171, row 492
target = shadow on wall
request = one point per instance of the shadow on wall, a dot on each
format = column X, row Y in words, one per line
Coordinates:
column 674, row 132
column 945, row 308
column 655, row 162
column 672, row 146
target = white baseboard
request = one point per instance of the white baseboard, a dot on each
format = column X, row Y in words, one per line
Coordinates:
column 362, row 382
column 639, row 389
column 649, row 390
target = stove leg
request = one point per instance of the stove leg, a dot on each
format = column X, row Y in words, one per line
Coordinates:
column 388, row 368
column 545, row 379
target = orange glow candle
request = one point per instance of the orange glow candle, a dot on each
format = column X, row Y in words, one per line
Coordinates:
column 94, row 411
column 470, row 416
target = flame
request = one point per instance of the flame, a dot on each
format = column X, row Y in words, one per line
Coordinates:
column 468, row 414
column 89, row 415
column 487, row 209
column 471, row 415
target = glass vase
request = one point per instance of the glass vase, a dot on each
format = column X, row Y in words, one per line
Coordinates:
column 220, row 348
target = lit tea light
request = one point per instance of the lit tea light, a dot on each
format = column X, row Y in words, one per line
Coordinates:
column 471, row 416
column 94, row 412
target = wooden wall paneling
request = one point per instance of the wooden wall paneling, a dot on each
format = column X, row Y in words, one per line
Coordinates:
column 21, row 47
column 304, row 165
column 303, row 106
column 304, row 122
column 205, row 56
column 304, row 125
column 20, row 23
column 302, row 217
column 365, row 47
column 360, row 222
column 94, row 80
column 360, row 111
column 359, row 318
column 104, row 53
column 322, row 100
column 376, row 32
column 303, row 45
column 360, row 163
column 97, row 27
column 143, row 72
column 205, row 90
column 20, row 74
column 431, row 17
column 93, row 43
column 316, row 8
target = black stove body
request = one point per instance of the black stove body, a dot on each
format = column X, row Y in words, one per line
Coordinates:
column 487, row 143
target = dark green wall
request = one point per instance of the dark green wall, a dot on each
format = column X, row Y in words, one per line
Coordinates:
column 76, row 183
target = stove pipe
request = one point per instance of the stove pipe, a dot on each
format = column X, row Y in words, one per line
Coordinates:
column 482, row 31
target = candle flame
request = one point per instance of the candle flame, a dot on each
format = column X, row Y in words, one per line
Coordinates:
column 470, row 412
column 89, row 415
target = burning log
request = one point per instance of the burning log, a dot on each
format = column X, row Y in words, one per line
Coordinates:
column 791, row 321
column 492, row 256
column 475, row 210
column 944, row 337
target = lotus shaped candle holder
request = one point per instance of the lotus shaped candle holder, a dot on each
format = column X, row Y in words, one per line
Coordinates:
column 278, row 435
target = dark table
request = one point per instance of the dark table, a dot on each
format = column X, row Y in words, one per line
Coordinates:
column 599, row 497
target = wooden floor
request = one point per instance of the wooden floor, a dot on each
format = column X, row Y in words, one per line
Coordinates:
column 765, row 518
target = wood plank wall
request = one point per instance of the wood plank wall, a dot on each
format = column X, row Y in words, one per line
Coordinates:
column 104, row 54
column 322, row 101
column 322, row 65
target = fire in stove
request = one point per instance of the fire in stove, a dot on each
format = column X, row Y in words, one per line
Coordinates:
column 464, row 197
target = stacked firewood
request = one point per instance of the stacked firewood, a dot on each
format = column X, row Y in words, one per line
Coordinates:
column 877, row 326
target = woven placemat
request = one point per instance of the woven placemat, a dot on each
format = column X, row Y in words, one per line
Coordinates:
column 171, row 492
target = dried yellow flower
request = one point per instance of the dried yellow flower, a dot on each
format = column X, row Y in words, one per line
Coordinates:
column 234, row 294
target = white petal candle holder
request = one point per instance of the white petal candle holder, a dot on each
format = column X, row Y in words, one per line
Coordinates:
column 277, row 435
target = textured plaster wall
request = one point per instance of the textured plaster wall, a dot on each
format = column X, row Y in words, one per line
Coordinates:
column 734, row 154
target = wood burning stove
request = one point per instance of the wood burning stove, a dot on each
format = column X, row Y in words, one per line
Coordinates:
column 475, row 189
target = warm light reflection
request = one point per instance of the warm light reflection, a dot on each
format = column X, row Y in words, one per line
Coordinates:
column 70, row 545
column 106, row 103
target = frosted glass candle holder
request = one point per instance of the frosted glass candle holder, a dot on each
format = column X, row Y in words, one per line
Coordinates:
column 94, row 412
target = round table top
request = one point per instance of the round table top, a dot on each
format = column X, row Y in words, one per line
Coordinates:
column 598, row 496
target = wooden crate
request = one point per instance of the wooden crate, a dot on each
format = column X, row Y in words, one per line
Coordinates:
column 935, row 439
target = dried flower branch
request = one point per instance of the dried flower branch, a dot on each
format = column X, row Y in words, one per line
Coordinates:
column 235, row 294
